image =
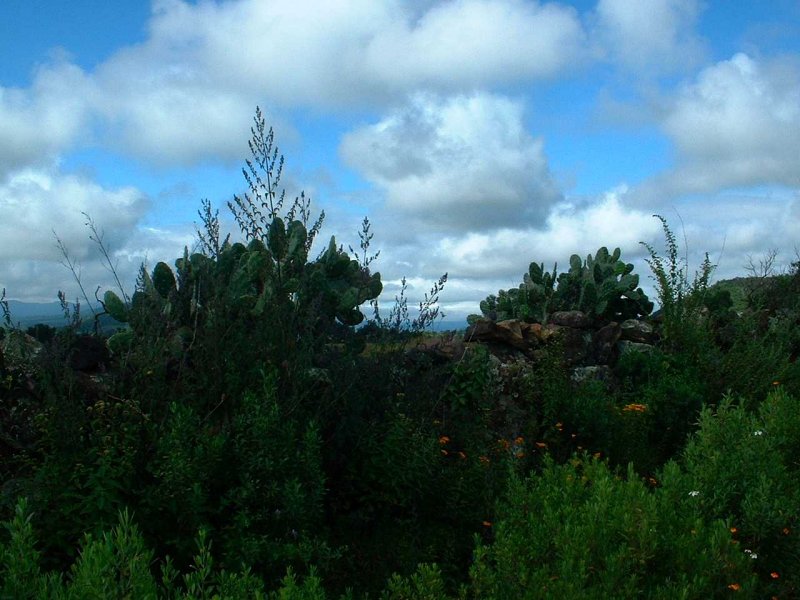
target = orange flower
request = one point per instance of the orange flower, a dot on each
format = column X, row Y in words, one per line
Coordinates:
column 735, row 587
column 444, row 452
column 786, row 531
column 519, row 441
column 652, row 480
column 774, row 575
column 541, row 445
column 634, row 407
column 443, row 440
column 734, row 530
column 776, row 383
column 487, row 523
column 461, row 455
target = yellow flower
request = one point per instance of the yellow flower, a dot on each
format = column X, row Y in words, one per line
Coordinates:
column 634, row 407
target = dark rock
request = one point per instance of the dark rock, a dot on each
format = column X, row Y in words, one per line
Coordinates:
column 20, row 350
column 446, row 347
column 593, row 373
column 88, row 353
column 604, row 344
column 510, row 332
column 570, row 318
column 482, row 330
column 628, row 346
column 576, row 343
column 634, row 330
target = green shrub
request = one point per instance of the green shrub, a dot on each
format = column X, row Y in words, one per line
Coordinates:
column 743, row 464
column 579, row 531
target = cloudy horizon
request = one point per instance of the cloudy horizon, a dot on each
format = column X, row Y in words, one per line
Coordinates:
column 476, row 135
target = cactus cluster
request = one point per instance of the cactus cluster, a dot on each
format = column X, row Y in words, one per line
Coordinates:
column 257, row 281
column 602, row 286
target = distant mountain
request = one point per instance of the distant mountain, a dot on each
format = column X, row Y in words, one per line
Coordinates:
column 26, row 314
column 30, row 313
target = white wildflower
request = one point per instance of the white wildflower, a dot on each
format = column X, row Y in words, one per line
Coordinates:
column 694, row 493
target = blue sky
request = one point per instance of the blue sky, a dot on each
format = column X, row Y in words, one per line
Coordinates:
column 477, row 135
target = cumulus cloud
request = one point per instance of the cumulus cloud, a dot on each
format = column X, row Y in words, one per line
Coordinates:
column 737, row 124
column 649, row 36
column 187, row 92
column 462, row 162
column 477, row 42
column 34, row 202
column 38, row 123
column 569, row 230
column 40, row 204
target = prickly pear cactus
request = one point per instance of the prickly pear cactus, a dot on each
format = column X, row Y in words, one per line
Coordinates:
column 601, row 286
column 339, row 285
column 115, row 307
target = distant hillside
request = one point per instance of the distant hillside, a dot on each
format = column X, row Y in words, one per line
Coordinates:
column 27, row 314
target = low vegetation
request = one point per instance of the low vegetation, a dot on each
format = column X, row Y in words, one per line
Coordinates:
column 256, row 428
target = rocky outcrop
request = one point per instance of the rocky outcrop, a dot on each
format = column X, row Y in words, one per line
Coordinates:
column 590, row 349
column 637, row 331
column 574, row 319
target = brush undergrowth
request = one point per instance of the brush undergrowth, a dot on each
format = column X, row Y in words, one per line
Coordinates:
column 247, row 441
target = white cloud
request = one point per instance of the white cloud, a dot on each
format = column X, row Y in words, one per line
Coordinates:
column 34, row 202
column 38, row 204
column 39, row 122
column 649, row 36
column 463, row 162
column 477, row 42
column 186, row 94
column 569, row 230
column 738, row 124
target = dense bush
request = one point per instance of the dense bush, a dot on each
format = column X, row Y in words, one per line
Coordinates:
column 244, row 439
